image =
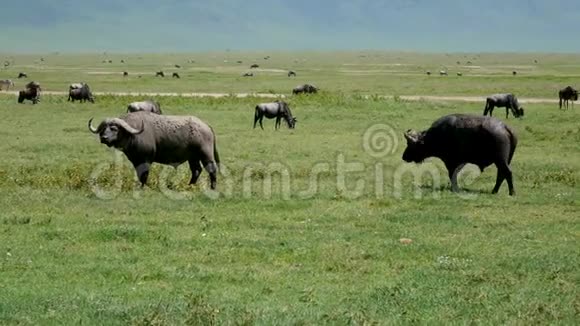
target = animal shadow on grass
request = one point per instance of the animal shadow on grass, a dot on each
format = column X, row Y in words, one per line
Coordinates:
column 447, row 188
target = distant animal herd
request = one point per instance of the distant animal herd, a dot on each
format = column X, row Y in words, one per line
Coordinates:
column 147, row 136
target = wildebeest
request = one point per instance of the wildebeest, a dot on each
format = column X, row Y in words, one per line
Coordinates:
column 306, row 88
column 507, row 100
column 428, row 73
column 278, row 110
column 239, row 61
column 443, row 72
column 291, row 73
column 514, row 72
column 147, row 106
column 147, row 138
column 567, row 94
column 177, row 66
column 125, row 74
column 458, row 139
column 175, row 75
column 6, row 83
column 31, row 93
column 81, row 94
column 459, row 74
column 159, row 74
column 22, row 75
column 254, row 66
column 248, row 74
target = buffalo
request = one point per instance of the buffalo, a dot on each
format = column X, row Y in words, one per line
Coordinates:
column 147, row 106
column 458, row 139
column 81, row 94
column 306, row 88
column 147, row 138
column 159, row 74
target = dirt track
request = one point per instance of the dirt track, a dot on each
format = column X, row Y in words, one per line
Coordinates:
column 430, row 98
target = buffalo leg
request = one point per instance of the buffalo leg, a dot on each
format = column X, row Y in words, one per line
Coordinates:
column 142, row 170
column 504, row 172
column 256, row 118
column 211, row 168
column 453, row 170
column 195, row 168
column 261, row 125
column 277, row 125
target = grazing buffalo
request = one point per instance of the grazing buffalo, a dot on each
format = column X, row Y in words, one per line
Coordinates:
column 159, row 74
column 443, row 73
column 177, row 66
column 125, row 74
column 508, row 100
column 291, row 73
column 248, row 74
column 147, row 106
column 458, row 139
column 514, row 72
column 22, row 75
column 567, row 94
column 278, row 110
column 175, row 75
column 6, row 83
column 147, row 138
column 306, row 88
column 459, row 74
column 254, row 66
column 428, row 73
column 81, row 94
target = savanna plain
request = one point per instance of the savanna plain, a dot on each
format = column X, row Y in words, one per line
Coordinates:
column 322, row 224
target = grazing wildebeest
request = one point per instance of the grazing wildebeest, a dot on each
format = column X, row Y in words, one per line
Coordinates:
column 567, row 94
column 248, row 74
column 278, row 110
column 6, row 83
column 159, row 74
column 254, row 66
column 458, row 139
column 81, row 94
column 22, row 75
column 507, row 100
column 147, row 106
column 31, row 93
column 514, row 72
column 177, row 66
column 443, row 72
column 428, row 73
column 147, row 138
column 291, row 73
column 125, row 74
column 306, row 88
column 175, row 75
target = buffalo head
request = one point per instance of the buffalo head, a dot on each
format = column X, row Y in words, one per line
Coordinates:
column 415, row 151
column 114, row 132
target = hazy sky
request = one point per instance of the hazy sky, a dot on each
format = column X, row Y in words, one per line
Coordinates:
column 201, row 25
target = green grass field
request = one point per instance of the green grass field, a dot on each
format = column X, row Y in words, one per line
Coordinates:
column 81, row 243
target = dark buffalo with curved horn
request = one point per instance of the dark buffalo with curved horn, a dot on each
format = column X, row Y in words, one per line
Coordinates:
column 507, row 100
column 278, row 109
column 81, row 94
column 147, row 138
column 458, row 139
column 567, row 94
column 306, row 88
column 147, row 106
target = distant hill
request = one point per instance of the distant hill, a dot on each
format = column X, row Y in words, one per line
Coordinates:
column 188, row 25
